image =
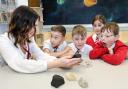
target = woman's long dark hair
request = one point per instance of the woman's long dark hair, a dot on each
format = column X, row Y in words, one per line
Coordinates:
column 22, row 20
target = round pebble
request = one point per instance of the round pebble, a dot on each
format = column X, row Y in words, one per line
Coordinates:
column 71, row 76
column 82, row 83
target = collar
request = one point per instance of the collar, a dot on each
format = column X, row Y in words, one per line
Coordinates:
column 94, row 37
column 113, row 45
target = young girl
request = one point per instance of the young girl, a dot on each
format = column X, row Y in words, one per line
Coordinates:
column 19, row 50
column 97, row 23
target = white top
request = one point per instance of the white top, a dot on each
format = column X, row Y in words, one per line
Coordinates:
column 86, row 48
column 16, row 59
column 47, row 44
column 94, row 37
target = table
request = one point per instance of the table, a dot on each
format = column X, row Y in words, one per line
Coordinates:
column 99, row 75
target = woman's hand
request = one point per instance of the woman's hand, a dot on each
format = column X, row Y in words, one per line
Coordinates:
column 64, row 62
column 68, row 62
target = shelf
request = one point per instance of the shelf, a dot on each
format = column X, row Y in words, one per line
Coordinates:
column 6, row 7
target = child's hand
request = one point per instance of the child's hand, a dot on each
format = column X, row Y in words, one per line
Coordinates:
column 110, row 50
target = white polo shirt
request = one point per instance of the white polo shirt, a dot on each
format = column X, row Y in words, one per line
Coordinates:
column 85, row 49
column 16, row 59
column 47, row 44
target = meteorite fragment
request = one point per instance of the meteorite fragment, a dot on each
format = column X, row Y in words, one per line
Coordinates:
column 57, row 81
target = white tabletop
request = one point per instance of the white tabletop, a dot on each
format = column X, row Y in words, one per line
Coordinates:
column 99, row 75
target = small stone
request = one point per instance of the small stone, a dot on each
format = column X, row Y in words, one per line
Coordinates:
column 76, row 56
column 82, row 83
column 57, row 81
column 71, row 76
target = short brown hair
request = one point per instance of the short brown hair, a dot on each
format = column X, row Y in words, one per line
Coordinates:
column 59, row 28
column 101, row 18
column 79, row 29
column 112, row 27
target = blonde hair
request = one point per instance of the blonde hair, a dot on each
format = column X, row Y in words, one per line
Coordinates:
column 79, row 29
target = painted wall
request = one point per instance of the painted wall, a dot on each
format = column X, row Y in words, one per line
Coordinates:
column 21, row 2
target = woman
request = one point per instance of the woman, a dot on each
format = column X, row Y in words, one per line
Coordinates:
column 19, row 50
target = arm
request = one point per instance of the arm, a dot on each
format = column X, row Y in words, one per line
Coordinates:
column 18, row 63
column 66, row 52
column 98, row 51
column 47, row 48
column 117, row 58
column 64, row 62
column 56, row 54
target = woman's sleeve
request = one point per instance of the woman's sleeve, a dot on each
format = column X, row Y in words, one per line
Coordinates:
column 38, row 53
column 15, row 59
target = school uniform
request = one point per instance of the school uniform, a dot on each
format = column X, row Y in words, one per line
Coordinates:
column 47, row 44
column 92, row 40
column 100, row 51
column 16, row 59
column 85, row 49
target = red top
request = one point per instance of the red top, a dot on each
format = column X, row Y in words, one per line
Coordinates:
column 91, row 42
column 100, row 51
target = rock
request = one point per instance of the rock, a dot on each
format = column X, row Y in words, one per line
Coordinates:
column 82, row 83
column 57, row 81
column 71, row 76
column 76, row 56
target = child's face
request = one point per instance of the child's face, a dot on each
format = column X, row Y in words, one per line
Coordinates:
column 56, row 38
column 97, row 27
column 79, row 41
column 108, row 37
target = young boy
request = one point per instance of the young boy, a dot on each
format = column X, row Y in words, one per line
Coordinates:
column 56, row 46
column 78, row 36
column 111, row 50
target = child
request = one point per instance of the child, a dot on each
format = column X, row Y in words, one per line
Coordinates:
column 56, row 46
column 97, row 23
column 111, row 50
column 78, row 36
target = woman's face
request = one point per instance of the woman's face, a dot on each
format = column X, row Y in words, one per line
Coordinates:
column 97, row 27
column 33, row 29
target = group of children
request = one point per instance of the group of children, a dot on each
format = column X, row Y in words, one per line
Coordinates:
column 103, row 44
column 57, row 46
